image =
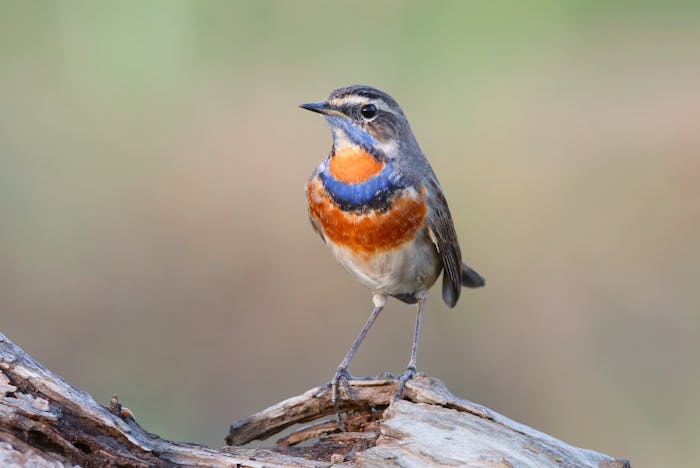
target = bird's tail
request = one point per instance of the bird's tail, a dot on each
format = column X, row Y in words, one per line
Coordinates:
column 470, row 278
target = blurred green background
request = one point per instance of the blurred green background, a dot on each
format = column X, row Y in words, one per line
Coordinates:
column 154, row 239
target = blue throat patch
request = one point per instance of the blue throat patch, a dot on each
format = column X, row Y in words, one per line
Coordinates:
column 374, row 193
column 354, row 134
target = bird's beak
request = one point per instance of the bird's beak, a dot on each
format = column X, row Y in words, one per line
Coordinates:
column 320, row 107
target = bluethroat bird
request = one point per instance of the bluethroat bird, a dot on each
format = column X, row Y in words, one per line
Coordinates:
column 377, row 204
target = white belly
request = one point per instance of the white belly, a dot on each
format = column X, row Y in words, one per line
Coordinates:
column 408, row 269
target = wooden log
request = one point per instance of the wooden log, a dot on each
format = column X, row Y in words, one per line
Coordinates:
column 46, row 422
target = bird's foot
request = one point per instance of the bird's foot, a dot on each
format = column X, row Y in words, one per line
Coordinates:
column 341, row 377
column 408, row 374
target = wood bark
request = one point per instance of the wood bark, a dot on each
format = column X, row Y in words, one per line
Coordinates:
column 46, row 422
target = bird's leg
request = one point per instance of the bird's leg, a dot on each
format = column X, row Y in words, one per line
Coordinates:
column 342, row 375
column 411, row 369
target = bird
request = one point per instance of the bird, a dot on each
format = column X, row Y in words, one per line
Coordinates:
column 376, row 202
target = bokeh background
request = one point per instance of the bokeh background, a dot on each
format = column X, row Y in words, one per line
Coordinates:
column 154, row 240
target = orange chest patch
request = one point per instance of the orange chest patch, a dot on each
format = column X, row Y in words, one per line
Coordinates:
column 367, row 233
column 353, row 165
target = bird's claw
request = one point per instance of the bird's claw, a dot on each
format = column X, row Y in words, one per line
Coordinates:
column 341, row 377
column 408, row 374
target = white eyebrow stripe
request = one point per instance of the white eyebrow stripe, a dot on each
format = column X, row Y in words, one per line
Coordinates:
column 350, row 100
column 345, row 100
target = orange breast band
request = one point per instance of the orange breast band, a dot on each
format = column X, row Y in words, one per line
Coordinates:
column 353, row 165
column 367, row 233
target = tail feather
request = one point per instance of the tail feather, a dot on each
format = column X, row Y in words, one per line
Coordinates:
column 470, row 278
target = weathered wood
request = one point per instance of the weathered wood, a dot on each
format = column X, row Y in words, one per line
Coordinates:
column 46, row 422
column 310, row 406
column 430, row 427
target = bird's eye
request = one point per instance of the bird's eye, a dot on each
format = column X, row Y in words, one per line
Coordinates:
column 368, row 111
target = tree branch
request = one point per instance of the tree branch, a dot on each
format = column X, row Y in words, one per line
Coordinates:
column 43, row 420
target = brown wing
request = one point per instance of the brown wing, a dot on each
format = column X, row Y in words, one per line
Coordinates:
column 443, row 234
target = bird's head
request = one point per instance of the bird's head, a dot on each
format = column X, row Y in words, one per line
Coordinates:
column 366, row 117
